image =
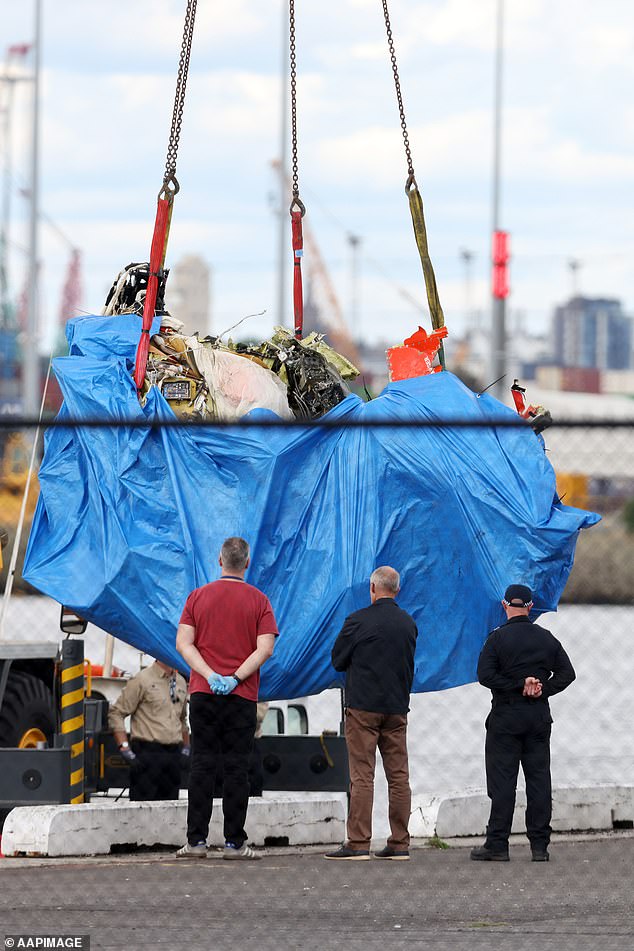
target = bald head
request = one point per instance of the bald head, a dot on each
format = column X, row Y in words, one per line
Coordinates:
column 385, row 582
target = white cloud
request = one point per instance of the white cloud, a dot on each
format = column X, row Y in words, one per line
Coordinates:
column 368, row 51
column 535, row 149
column 456, row 22
column 376, row 155
column 146, row 29
column 109, row 74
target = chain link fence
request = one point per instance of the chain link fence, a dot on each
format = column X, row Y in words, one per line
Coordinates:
column 592, row 741
column 594, row 466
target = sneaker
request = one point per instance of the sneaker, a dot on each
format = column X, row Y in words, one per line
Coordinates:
column 198, row 851
column 482, row 854
column 353, row 855
column 540, row 855
column 242, row 853
column 397, row 855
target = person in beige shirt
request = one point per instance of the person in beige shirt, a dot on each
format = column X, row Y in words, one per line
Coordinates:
column 156, row 702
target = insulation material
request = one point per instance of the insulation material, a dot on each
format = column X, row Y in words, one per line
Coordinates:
column 238, row 386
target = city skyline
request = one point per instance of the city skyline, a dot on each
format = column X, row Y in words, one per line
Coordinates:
column 567, row 168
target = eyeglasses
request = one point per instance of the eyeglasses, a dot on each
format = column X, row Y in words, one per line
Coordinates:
column 172, row 686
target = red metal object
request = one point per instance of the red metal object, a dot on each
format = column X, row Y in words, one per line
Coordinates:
column 517, row 393
column 20, row 49
column 157, row 256
column 500, row 257
column 298, row 293
column 426, row 343
column 531, row 411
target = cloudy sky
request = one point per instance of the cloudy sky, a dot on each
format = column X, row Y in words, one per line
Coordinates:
column 568, row 147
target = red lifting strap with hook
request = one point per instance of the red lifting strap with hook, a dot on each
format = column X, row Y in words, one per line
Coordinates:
column 298, row 296
column 157, row 258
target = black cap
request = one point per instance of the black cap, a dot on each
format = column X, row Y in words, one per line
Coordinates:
column 518, row 596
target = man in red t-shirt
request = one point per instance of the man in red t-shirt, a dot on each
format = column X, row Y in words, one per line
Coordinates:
column 227, row 631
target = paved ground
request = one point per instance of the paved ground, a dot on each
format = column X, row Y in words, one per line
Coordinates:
column 582, row 900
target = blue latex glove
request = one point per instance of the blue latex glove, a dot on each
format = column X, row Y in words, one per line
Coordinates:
column 223, row 685
column 213, row 681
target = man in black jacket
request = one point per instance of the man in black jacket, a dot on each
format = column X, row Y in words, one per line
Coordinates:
column 523, row 665
column 376, row 649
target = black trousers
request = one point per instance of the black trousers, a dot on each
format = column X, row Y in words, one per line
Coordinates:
column 156, row 771
column 518, row 733
column 222, row 731
column 256, row 773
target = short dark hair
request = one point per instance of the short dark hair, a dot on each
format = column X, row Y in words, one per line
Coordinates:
column 234, row 553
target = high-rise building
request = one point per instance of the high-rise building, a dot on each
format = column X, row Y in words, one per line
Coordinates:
column 188, row 294
column 592, row 332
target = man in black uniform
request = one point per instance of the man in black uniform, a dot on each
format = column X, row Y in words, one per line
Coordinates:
column 523, row 665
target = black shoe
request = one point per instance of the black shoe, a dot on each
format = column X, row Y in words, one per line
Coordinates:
column 397, row 855
column 353, row 855
column 540, row 855
column 482, row 854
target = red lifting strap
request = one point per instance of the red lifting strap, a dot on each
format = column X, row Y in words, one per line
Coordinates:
column 298, row 296
column 157, row 258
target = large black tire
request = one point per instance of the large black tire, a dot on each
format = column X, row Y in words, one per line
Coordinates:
column 27, row 705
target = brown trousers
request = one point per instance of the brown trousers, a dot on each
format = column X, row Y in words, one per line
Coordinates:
column 364, row 732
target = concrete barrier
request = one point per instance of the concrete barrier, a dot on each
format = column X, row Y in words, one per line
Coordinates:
column 294, row 819
column 94, row 828
column 574, row 810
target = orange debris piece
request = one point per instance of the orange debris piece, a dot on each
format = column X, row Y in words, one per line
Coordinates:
column 416, row 356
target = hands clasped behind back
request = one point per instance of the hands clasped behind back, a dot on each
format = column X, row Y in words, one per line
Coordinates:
column 221, row 686
column 532, row 687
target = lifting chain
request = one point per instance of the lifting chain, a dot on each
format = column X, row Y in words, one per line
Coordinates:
column 165, row 203
column 411, row 181
column 416, row 203
column 296, row 203
column 170, row 185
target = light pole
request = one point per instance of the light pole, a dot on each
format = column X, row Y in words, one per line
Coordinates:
column 8, row 81
column 499, row 238
column 467, row 256
column 31, row 368
column 574, row 266
column 5, row 306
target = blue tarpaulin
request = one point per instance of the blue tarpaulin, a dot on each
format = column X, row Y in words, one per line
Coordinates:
column 129, row 521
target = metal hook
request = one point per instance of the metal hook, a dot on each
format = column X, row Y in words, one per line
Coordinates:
column 410, row 184
column 297, row 205
column 169, row 188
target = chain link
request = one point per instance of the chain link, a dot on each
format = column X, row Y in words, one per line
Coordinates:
column 293, row 65
column 397, row 83
column 170, row 183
